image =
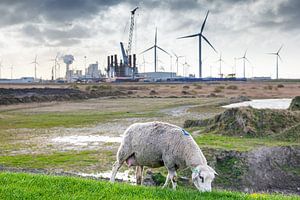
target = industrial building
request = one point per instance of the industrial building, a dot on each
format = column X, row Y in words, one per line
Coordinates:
column 120, row 69
column 93, row 71
column 157, row 76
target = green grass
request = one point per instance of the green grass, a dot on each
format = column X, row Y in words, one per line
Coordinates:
column 27, row 186
column 70, row 160
column 65, row 119
column 215, row 141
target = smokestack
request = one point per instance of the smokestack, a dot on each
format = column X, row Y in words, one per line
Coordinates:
column 116, row 60
column 111, row 60
column 108, row 63
column 134, row 61
column 129, row 61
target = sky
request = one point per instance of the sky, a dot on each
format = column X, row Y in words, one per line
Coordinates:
column 94, row 29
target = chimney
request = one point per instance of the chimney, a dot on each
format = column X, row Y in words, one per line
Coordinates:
column 116, row 60
column 111, row 60
column 134, row 61
column 129, row 61
column 108, row 63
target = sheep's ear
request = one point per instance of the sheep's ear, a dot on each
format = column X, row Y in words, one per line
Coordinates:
column 194, row 176
column 211, row 169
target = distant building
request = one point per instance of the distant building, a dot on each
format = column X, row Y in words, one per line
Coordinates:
column 93, row 71
column 153, row 76
column 20, row 80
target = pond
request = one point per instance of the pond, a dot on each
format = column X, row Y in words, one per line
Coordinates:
column 263, row 104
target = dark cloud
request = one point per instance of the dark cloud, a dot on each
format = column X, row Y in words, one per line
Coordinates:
column 56, row 37
column 44, row 21
column 18, row 11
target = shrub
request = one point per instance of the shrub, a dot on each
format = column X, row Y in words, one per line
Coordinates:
column 184, row 92
column 280, row 86
column 269, row 87
column 199, row 87
column 218, row 90
column 186, row 87
column 152, row 92
column 232, row 87
column 130, row 92
column 88, row 88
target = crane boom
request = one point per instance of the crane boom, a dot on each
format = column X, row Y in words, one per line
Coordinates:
column 131, row 31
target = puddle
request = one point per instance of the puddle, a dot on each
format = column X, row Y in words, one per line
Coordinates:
column 178, row 111
column 84, row 140
column 263, row 103
column 124, row 176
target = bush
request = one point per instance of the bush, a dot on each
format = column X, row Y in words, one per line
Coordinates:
column 280, row 86
column 218, row 90
column 232, row 87
column 186, row 87
column 88, row 88
column 269, row 87
column 184, row 92
column 152, row 92
column 199, row 87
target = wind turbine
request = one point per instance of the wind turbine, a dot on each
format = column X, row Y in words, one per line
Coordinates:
column 56, row 63
column 244, row 61
column 277, row 56
column 200, row 36
column 177, row 58
column 220, row 61
column 35, row 63
column 155, row 50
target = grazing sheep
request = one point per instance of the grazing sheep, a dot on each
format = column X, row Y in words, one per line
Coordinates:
column 157, row 144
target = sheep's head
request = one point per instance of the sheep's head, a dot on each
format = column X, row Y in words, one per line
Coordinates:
column 202, row 177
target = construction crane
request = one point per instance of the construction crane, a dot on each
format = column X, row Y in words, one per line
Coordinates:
column 126, row 53
column 131, row 31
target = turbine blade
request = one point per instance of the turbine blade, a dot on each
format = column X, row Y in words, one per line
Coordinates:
column 245, row 53
column 189, row 36
column 202, row 27
column 147, row 50
column 175, row 54
column 280, row 58
column 163, row 50
column 272, row 53
column 248, row 61
column 279, row 49
column 209, row 43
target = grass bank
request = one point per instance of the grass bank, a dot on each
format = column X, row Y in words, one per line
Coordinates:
column 27, row 186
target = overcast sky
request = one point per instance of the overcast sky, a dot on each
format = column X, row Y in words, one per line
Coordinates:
column 94, row 28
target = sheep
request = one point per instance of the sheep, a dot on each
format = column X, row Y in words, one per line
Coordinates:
column 157, row 144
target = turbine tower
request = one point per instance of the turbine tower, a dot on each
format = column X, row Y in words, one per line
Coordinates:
column 220, row 61
column 244, row 61
column 200, row 36
column 277, row 56
column 155, row 51
column 35, row 63
column 177, row 58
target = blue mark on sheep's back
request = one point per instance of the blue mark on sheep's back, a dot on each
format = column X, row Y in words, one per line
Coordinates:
column 184, row 132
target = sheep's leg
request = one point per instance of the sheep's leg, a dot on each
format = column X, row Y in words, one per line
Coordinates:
column 115, row 169
column 173, row 178
column 139, row 174
column 167, row 181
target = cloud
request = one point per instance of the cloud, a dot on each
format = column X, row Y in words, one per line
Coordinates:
column 50, row 36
